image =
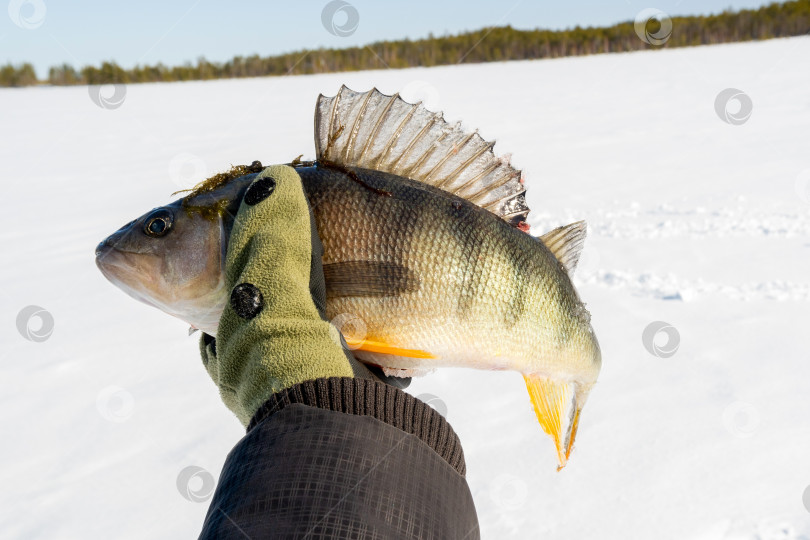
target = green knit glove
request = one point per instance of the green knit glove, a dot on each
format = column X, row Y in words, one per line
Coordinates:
column 274, row 334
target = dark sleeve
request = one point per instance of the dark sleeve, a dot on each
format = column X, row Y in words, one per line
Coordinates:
column 344, row 458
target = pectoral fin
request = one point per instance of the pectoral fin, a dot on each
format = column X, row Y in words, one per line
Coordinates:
column 555, row 405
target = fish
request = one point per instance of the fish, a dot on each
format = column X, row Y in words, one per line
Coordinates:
column 427, row 256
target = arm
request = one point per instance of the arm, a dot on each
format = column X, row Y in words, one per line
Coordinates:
column 344, row 458
column 330, row 451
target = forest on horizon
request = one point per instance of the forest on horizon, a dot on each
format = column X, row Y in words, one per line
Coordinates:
column 492, row 44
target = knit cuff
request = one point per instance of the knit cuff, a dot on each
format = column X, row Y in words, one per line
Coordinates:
column 365, row 397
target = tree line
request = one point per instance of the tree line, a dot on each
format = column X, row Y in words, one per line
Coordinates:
column 485, row 45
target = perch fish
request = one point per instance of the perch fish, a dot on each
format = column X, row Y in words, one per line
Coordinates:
column 427, row 257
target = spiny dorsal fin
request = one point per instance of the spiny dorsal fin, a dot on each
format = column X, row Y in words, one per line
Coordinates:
column 566, row 243
column 385, row 133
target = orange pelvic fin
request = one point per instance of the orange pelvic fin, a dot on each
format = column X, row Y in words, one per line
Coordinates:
column 556, row 409
column 384, row 348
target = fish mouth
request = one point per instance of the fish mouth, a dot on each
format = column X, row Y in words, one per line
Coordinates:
column 124, row 270
column 101, row 252
column 111, row 260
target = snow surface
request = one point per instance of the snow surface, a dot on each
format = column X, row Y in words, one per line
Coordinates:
column 694, row 222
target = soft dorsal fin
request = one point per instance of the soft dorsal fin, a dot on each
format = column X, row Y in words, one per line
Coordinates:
column 385, row 133
column 566, row 243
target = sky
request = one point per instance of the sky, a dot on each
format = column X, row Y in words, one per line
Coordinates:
column 50, row 32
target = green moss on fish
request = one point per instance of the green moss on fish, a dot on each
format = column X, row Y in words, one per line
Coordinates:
column 209, row 212
column 211, row 184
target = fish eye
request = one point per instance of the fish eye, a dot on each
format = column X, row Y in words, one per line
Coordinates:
column 158, row 224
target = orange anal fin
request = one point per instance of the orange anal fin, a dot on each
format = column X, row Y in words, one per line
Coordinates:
column 384, row 348
column 555, row 406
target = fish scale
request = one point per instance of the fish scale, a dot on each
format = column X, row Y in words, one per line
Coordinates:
column 474, row 274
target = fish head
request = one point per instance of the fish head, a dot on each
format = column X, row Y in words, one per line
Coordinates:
column 173, row 259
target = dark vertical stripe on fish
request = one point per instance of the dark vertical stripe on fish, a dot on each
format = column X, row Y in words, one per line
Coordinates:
column 517, row 301
column 470, row 241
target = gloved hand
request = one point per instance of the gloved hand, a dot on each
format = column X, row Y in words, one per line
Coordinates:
column 274, row 333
